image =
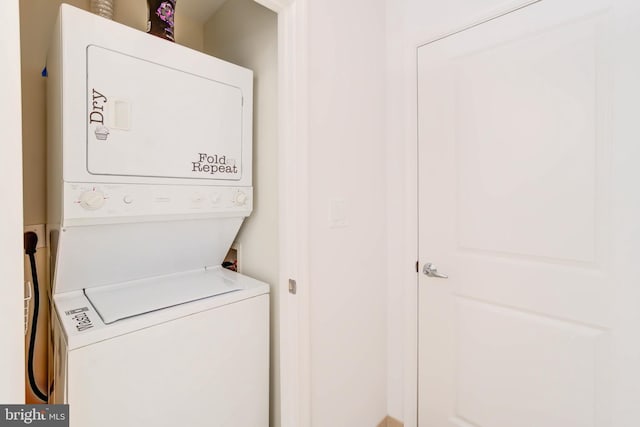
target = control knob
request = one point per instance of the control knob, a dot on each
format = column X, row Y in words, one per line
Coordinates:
column 241, row 198
column 92, row 200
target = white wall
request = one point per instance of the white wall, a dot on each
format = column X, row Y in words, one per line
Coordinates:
column 347, row 266
column 11, row 286
column 347, row 269
column 400, row 264
column 245, row 33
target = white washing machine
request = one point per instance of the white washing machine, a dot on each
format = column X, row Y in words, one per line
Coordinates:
column 149, row 166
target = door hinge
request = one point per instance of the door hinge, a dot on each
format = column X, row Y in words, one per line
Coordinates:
column 293, row 287
column 417, row 266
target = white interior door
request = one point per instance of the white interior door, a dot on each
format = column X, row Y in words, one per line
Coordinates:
column 514, row 121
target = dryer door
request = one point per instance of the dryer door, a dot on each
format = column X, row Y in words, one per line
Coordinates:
column 149, row 120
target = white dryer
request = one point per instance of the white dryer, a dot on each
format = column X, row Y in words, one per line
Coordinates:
column 149, row 166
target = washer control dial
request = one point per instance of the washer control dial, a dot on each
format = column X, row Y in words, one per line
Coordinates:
column 241, row 198
column 92, row 200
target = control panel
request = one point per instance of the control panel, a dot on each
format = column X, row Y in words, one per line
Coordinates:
column 93, row 201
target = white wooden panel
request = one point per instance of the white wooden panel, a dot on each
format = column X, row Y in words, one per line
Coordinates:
column 526, row 137
column 523, row 369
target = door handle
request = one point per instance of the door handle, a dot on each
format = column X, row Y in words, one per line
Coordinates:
column 432, row 271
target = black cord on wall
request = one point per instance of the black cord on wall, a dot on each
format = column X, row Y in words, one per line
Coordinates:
column 30, row 244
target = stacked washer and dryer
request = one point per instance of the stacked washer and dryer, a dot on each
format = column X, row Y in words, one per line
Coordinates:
column 149, row 177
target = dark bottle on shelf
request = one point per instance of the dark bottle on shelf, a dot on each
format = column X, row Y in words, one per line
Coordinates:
column 160, row 18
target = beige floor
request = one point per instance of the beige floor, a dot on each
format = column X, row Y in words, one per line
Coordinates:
column 390, row 422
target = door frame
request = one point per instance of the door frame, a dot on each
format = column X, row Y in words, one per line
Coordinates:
column 11, row 258
column 411, row 215
column 295, row 355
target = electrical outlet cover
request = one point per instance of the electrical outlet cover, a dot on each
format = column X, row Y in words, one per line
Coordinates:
column 39, row 230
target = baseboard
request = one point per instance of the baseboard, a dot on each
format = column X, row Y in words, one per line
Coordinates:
column 390, row 422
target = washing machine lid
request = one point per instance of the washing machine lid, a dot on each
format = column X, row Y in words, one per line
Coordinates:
column 125, row 300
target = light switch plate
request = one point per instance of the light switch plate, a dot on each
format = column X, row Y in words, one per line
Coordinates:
column 338, row 214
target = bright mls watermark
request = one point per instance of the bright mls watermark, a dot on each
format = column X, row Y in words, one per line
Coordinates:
column 34, row 415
